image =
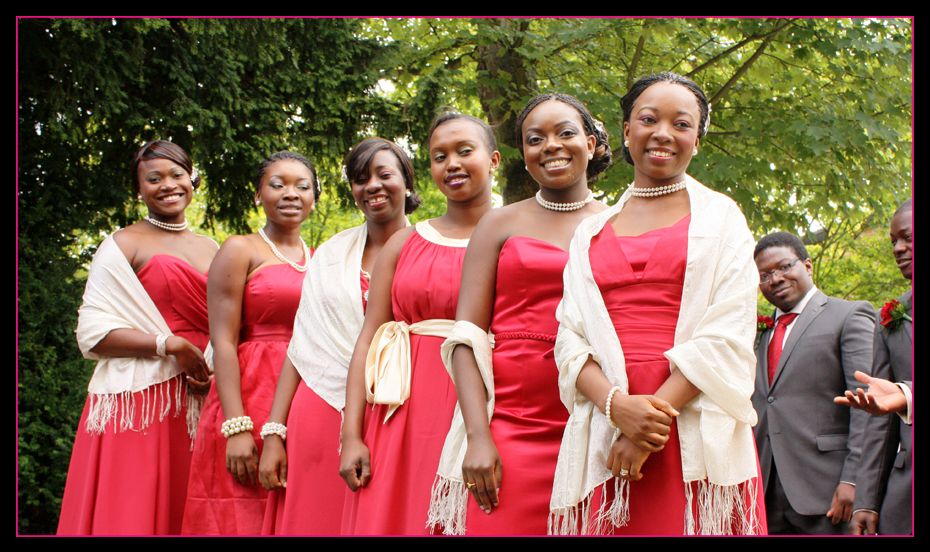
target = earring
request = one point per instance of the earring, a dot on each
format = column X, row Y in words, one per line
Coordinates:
column 258, row 202
column 408, row 193
column 694, row 152
column 590, row 156
column 527, row 168
column 139, row 197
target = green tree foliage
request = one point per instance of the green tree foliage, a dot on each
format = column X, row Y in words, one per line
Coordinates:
column 810, row 133
column 90, row 92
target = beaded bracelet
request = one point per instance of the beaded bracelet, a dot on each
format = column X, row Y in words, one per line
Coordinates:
column 274, row 428
column 236, row 425
column 610, row 399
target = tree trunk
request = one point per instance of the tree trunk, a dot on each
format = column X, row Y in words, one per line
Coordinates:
column 506, row 81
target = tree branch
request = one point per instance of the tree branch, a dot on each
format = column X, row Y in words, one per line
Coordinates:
column 745, row 67
column 767, row 36
column 637, row 54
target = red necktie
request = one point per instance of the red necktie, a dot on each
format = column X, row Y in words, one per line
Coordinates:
column 778, row 338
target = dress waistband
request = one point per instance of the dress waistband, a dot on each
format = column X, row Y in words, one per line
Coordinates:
column 266, row 332
column 536, row 336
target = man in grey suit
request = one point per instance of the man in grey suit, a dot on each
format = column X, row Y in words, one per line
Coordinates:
column 884, row 490
column 808, row 446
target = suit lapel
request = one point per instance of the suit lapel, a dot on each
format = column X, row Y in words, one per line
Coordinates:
column 811, row 311
column 762, row 360
column 908, row 325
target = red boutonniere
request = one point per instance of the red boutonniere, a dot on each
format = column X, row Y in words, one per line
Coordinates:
column 764, row 323
column 893, row 314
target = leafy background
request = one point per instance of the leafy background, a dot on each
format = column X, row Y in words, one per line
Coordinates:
column 811, row 133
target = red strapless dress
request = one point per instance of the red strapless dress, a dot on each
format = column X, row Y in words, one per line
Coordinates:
column 405, row 451
column 216, row 504
column 641, row 279
column 134, row 482
column 529, row 417
column 313, row 502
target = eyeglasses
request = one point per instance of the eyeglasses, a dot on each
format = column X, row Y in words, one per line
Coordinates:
column 766, row 277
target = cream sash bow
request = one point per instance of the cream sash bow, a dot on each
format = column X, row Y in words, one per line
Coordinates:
column 387, row 366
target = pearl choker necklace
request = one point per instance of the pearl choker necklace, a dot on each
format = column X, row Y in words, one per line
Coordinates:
column 171, row 227
column 655, row 192
column 279, row 255
column 557, row 206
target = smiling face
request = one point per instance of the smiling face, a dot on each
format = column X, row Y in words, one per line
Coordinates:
column 380, row 196
column 286, row 191
column 901, row 242
column 460, row 162
column 785, row 289
column 165, row 187
column 662, row 133
column 555, row 147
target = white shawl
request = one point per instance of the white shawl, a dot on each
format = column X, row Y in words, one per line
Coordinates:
column 449, row 497
column 330, row 316
column 714, row 351
column 115, row 299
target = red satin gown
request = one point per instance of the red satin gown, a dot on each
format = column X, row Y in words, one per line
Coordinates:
column 313, row 502
column 216, row 504
column 529, row 417
column 405, row 451
column 134, row 482
column 641, row 279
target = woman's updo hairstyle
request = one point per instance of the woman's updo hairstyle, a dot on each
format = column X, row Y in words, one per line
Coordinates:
column 627, row 101
column 592, row 127
column 163, row 149
column 289, row 156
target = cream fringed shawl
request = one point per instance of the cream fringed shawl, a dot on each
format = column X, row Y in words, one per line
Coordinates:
column 329, row 317
column 449, row 497
column 713, row 350
column 114, row 298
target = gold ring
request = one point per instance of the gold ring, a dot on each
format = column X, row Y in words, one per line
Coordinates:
column 471, row 484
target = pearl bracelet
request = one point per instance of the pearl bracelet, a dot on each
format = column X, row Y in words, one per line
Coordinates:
column 610, row 399
column 236, row 425
column 160, row 341
column 274, row 428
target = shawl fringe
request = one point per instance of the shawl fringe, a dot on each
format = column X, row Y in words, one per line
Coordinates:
column 720, row 510
column 155, row 401
column 447, row 506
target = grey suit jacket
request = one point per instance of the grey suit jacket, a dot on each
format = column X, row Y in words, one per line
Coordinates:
column 884, row 480
column 814, row 442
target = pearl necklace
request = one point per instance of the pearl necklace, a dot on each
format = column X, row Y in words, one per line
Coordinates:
column 171, row 227
column 278, row 254
column 563, row 207
column 660, row 191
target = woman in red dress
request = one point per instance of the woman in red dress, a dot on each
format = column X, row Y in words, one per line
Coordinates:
column 511, row 285
column 655, row 346
column 310, row 394
column 253, row 292
column 144, row 319
column 391, row 463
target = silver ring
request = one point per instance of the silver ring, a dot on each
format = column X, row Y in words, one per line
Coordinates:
column 624, row 472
